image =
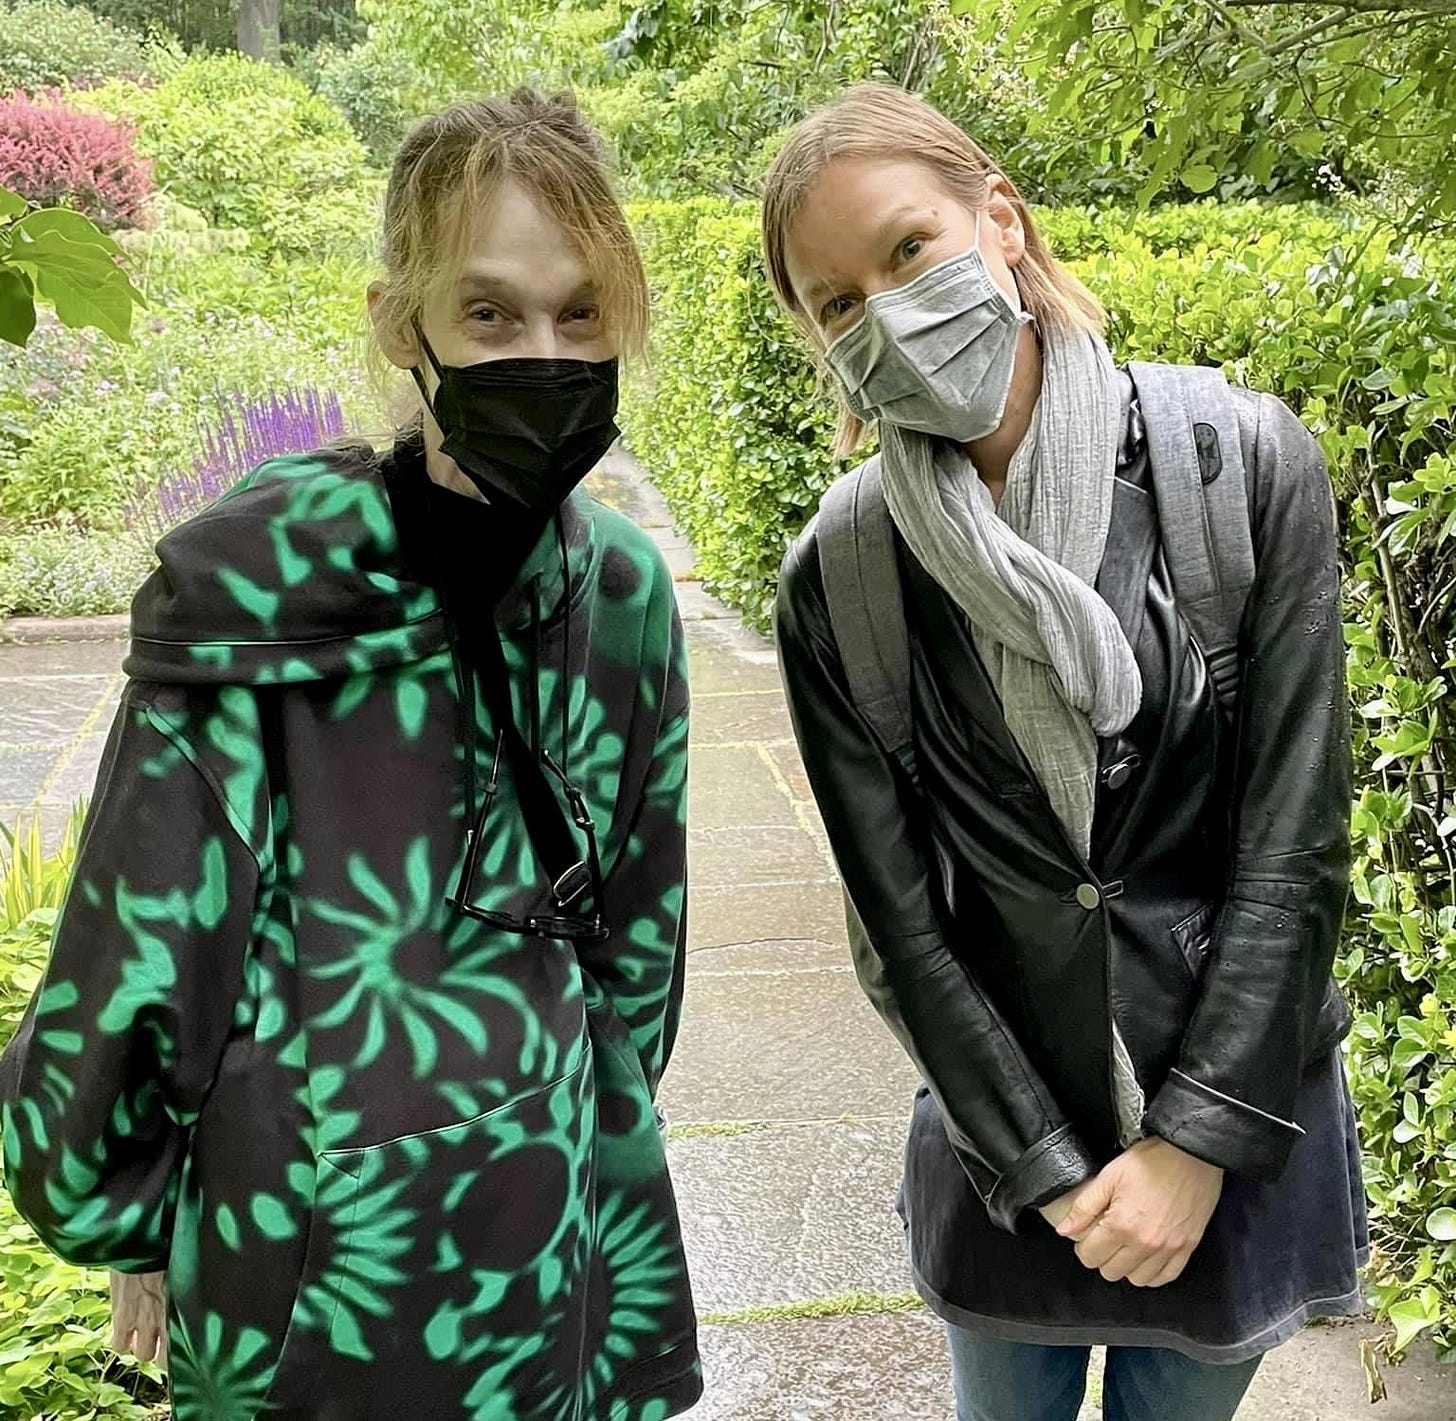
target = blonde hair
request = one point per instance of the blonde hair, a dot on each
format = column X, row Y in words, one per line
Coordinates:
column 881, row 121
column 452, row 165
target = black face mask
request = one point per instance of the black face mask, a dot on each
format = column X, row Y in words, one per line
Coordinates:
column 531, row 429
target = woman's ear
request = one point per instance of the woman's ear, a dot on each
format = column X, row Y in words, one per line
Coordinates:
column 1006, row 215
column 395, row 336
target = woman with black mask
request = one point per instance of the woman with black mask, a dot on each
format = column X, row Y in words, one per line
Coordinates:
column 374, row 953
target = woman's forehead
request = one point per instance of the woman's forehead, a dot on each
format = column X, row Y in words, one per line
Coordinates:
column 514, row 246
column 856, row 206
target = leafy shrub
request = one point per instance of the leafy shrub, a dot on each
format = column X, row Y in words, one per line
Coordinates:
column 728, row 417
column 59, row 572
column 370, row 85
column 249, row 146
column 47, row 45
column 250, row 432
column 1358, row 334
column 55, row 156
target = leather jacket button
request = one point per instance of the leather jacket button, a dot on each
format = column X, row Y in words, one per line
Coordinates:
column 1089, row 895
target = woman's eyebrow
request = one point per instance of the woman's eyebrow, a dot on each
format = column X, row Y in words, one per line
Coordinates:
column 483, row 283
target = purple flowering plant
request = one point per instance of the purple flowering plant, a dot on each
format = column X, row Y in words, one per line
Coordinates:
column 251, row 431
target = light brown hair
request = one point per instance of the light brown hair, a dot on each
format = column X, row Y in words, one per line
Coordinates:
column 452, row 165
column 881, row 121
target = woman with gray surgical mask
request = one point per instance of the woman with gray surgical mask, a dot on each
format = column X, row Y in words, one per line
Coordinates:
column 1065, row 664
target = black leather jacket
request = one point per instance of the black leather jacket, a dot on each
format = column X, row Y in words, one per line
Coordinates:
column 1206, row 919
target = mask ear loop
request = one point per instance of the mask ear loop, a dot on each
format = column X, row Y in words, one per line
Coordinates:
column 417, row 373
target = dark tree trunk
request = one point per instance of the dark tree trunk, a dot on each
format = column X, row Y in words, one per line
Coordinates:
column 258, row 29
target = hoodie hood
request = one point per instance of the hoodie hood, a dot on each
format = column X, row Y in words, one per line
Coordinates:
column 314, row 567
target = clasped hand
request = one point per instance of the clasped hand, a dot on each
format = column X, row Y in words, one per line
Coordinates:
column 1142, row 1217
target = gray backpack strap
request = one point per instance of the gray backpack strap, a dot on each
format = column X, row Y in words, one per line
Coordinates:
column 1195, row 453
column 866, row 605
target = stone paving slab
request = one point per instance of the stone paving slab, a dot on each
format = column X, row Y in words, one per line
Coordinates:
column 724, row 915
column 791, row 1212
column 868, row 1368
column 37, row 709
column 729, row 717
column 827, row 1369
column 62, row 658
column 75, row 777
column 736, row 786
column 782, row 1031
column 770, row 854
column 723, row 656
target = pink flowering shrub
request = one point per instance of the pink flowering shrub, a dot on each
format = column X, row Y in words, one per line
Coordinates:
column 58, row 157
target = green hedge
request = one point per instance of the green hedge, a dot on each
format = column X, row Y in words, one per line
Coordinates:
column 1359, row 336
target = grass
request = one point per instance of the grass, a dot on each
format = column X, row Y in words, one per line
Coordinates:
column 846, row 1305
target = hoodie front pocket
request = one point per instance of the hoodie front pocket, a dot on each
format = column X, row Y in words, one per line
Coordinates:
column 443, row 1263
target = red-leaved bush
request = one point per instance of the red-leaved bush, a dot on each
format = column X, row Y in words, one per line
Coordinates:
column 58, row 157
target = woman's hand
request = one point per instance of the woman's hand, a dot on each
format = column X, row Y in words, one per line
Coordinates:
column 1143, row 1216
column 139, row 1315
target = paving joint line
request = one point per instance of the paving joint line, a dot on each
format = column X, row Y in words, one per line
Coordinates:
column 68, row 754
column 766, row 942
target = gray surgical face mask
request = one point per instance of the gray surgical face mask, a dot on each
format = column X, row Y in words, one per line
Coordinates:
column 936, row 354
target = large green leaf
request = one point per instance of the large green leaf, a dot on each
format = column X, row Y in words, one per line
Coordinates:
column 17, row 306
column 65, row 223
column 82, row 281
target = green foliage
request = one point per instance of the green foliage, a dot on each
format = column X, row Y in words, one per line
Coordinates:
column 86, row 429
column 61, row 572
column 249, row 146
column 693, row 94
column 1358, row 333
column 58, row 256
column 1207, row 97
column 371, row 85
column 32, row 887
column 213, row 24
column 727, row 417
column 45, row 44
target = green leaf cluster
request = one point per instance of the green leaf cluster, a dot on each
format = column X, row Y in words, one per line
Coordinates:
column 45, row 44
column 1213, row 97
column 58, row 256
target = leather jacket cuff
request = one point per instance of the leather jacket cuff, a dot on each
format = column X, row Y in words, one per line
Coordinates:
column 1220, row 1130
column 1050, row 1168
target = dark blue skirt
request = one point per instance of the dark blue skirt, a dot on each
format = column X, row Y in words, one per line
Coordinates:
column 1274, row 1255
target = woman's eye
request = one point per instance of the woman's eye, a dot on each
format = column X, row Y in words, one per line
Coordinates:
column 487, row 315
column 584, row 313
column 911, row 248
column 836, row 310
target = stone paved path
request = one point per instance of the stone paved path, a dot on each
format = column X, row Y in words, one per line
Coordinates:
column 787, row 1097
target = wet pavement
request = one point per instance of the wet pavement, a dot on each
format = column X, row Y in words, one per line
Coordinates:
column 787, row 1097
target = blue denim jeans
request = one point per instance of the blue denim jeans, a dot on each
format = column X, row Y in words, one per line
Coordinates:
column 1016, row 1381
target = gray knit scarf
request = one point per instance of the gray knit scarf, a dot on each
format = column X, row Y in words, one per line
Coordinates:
column 1053, row 647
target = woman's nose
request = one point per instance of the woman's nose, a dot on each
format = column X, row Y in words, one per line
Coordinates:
column 541, row 340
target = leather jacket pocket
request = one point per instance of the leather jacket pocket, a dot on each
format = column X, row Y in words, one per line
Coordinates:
column 1194, row 936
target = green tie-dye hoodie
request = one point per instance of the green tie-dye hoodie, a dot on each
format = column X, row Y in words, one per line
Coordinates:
column 396, row 1163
